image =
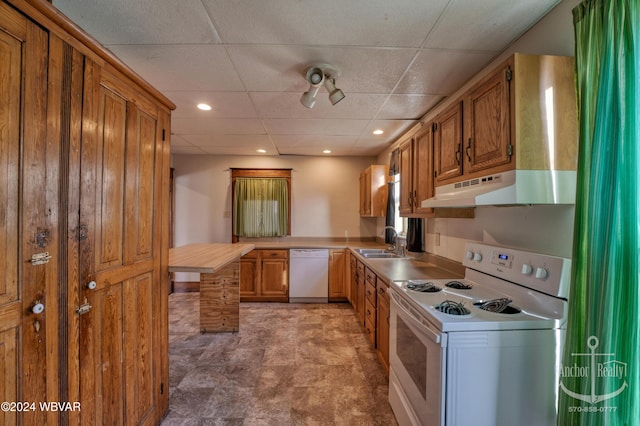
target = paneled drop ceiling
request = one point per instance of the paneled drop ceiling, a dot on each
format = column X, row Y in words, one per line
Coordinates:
column 247, row 59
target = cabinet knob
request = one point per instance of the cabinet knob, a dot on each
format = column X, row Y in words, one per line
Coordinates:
column 38, row 308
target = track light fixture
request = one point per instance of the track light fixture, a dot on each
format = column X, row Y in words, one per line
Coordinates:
column 316, row 76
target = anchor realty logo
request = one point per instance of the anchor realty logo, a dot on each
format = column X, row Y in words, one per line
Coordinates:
column 609, row 369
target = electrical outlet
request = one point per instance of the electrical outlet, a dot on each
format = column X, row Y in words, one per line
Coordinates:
column 437, row 239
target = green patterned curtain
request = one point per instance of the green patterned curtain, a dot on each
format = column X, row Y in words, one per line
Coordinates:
column 599, row 376
column 260, row 207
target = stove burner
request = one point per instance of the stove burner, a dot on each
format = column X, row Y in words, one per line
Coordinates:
column 423, row 286
column 452, row 308
column 459, row 285
column 499, row 306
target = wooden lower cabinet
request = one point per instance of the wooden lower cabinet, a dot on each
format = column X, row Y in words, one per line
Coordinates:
column 264, row 276
column 382, row 321
column 337, row 275
column 353, row 271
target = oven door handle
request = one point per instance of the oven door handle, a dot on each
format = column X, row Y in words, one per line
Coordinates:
column 415, row 319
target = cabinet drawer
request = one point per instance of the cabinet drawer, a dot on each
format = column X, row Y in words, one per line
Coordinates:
column 370, row 324
column 370, row 293
column 370, row 276
column 275, row 254
column 382, row 289
column 253, row 254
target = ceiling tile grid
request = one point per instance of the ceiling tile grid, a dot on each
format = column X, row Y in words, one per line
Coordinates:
column 247, row 59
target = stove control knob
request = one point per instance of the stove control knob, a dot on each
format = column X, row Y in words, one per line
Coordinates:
column 477, row 257
column 469, row 255
column 527, row 269
column 541, row 273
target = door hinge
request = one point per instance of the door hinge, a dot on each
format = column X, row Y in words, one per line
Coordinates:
column 162, row 388
column 509, row 150
column 434, row 127
column 509, row 74
column 84, row 308
column 163, row 134
column 83, row 232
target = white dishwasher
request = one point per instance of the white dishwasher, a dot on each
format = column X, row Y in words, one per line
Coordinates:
column 309, row 276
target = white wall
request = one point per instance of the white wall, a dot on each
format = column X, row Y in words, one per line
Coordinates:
column 325, row 196
column 546, row 229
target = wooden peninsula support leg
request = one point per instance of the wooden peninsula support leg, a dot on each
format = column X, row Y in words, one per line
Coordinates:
column 220, row 300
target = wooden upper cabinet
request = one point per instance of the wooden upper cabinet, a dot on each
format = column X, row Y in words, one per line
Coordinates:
column 373, row 191
column 488, row 142
column 416, row 174
column 447, row 146
column 406, row 178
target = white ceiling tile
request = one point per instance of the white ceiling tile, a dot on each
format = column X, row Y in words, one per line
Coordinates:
column 392, row 129
column 229, row 141
column 142, row 21
column 182, row 67
column 408, row 106
column 329, row 22
column 361, row 70
column 287, row 105
column 487, row 24
column 191, row 150
column 223, row 104
column 313, row 126
column 440, row 72
column 225, row 150
column 316, row 141
column 216, row 126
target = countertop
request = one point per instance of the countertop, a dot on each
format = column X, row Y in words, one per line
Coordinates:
column 204, row 257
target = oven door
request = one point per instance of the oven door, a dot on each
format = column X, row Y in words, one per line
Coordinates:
column 417, row 355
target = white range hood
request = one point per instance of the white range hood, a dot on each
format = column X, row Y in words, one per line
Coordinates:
column 508, row 188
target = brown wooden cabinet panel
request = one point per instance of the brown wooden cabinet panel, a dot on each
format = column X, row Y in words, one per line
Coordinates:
column 82, row 169
column 416, row 174
column 382, row 322
column 353, row 279
column 337, row 277
column 489, row 136
column 373, row 191
column 360, row 297
column 447, row 143
column 249, row 274
column 264, row 276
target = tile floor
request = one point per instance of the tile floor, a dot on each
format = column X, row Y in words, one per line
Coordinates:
column 290, row 364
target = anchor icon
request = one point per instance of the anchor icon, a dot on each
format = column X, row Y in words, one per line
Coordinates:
column 592, row 398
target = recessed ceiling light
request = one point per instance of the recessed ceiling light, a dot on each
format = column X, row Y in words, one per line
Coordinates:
column 261, row 151
column 204, row 107
column 378, row 132
column 327, row 151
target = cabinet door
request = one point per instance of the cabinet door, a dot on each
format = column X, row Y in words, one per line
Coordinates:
column 489, row 133
column 382, row 331
column 447, row 151
column 123, row 370
column 360, row 297
column 337, row 274
column 406, row 178
column 353, row 278
column 29, row 171
column 274, row 279
column 423, row 170
column 366, row 200
column 249, row 276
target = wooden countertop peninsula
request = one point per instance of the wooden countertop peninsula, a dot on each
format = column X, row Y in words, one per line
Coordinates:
column 205, row 257
column 219, row 268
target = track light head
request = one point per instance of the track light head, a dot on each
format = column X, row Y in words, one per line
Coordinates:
column 335, row 94
column 315, row 76
column 308, row 98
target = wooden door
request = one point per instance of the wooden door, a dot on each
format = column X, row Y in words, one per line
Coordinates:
column 447, row 150
column 489, row 123
column 423, row 170
column 121, row 353
column 406, row 178
column 29, row 209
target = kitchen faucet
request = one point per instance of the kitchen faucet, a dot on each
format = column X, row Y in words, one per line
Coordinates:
column 395, row 237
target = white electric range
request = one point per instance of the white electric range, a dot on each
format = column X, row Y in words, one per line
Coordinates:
column 483, row 350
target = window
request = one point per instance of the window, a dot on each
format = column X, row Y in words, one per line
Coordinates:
column 261, row 203
column 399, row 223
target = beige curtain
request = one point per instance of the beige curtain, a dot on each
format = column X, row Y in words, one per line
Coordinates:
column 260, row 207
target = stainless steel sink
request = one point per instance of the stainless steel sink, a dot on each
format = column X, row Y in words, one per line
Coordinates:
column 364, row 251
column 381, row 255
